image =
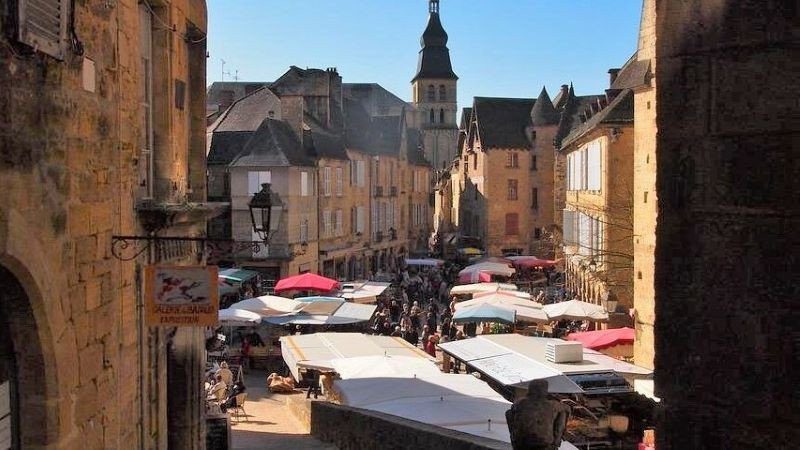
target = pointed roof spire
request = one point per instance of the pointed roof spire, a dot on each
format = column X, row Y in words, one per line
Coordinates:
column 543, row 112
column 434, row 58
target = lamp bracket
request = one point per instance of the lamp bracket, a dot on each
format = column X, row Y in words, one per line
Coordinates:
column 128, row 248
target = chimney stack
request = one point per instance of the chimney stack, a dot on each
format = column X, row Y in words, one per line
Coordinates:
column 292, row 110
column 612, row 75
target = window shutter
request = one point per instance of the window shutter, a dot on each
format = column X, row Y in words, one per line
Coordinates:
column 569, row 227
column 43, row 25
column 252, row 183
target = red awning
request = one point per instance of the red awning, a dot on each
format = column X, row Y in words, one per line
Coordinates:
column 600, row 339
column 306, row 282
column 534, row 262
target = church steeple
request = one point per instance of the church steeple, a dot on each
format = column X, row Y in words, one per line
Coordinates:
column 434, row 58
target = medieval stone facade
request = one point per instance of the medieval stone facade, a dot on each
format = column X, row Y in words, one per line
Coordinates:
column 645, row 199
column 103, row 128
column 343, row 159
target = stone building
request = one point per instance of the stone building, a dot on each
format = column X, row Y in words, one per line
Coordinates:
column 339, row 155
column 103, row 134
column 645, row 201
column 598, row 212
column 506, row 174
column 726, row 241
column 435, row 94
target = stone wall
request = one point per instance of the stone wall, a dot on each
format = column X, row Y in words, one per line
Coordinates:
column 357, row 429
column 645, row 199
column 69, row 150
column 726, row 257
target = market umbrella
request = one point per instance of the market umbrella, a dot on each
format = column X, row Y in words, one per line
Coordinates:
column 513, row 292
column 307, row 282
column 602, row 339
column 490, row 268
column 525, row 310
column 314, row 314
column 484, row 313
column 576, row 310
column 238, row 318
column 474, row 277
column 465, row 289
column 268, row 305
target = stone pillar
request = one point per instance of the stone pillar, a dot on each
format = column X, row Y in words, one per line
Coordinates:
column 726, row 258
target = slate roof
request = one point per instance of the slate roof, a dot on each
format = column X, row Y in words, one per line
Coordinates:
column 321, row 142
column 466, row 117
column 434, row 58
column 571, row 112
column 632, row 75
column 226, row 145
column 543, row 112
column 385, row 135
column 376, row 100
column 247, row 113
column 619, row 111
column 274, row 144
column 502, row 121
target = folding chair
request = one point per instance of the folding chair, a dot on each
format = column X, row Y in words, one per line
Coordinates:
column 239, row 407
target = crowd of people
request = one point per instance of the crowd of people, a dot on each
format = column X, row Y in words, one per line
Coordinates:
column 419, row 308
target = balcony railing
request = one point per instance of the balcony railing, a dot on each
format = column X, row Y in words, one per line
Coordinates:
column 378, row 236
column 393, row 191
column 378, row 191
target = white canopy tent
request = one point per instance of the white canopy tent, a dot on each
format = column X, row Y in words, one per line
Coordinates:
column 238, row 318
column 364, row 292
column 515, row 360
column 268, row 305
column 457, row 402
column 526, row 310
column 316, row 351
column 384, row 366
column 576, row 310
column 466, row 289
column 490, row 268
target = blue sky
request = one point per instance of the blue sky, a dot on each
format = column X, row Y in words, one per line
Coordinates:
column 502, row 48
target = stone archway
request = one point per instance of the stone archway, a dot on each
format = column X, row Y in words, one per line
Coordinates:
column 26, row 370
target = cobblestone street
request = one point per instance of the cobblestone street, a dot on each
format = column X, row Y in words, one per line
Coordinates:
column 270, row 424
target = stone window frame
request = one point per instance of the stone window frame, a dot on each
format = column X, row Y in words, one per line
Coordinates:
column 512, row 224
column 513, row 189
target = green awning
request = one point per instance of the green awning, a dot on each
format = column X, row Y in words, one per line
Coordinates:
column 237, row 275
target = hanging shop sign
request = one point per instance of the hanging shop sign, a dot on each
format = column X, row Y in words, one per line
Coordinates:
column 181, row 296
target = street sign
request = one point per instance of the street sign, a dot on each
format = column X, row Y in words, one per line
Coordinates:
column 181, row 296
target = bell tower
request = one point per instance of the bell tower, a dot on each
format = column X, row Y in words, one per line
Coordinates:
column 435, row 93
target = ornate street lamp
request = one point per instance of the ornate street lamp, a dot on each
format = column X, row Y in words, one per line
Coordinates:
column 265, row 207
column 265, row 211
column 592, row 265
column 611, row 301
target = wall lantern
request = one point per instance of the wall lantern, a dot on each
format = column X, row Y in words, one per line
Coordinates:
column 266, row 209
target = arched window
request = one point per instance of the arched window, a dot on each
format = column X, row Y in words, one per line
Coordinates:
column 441, row 115
column 433, row 117
column 431, row 93
column 442, row 93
